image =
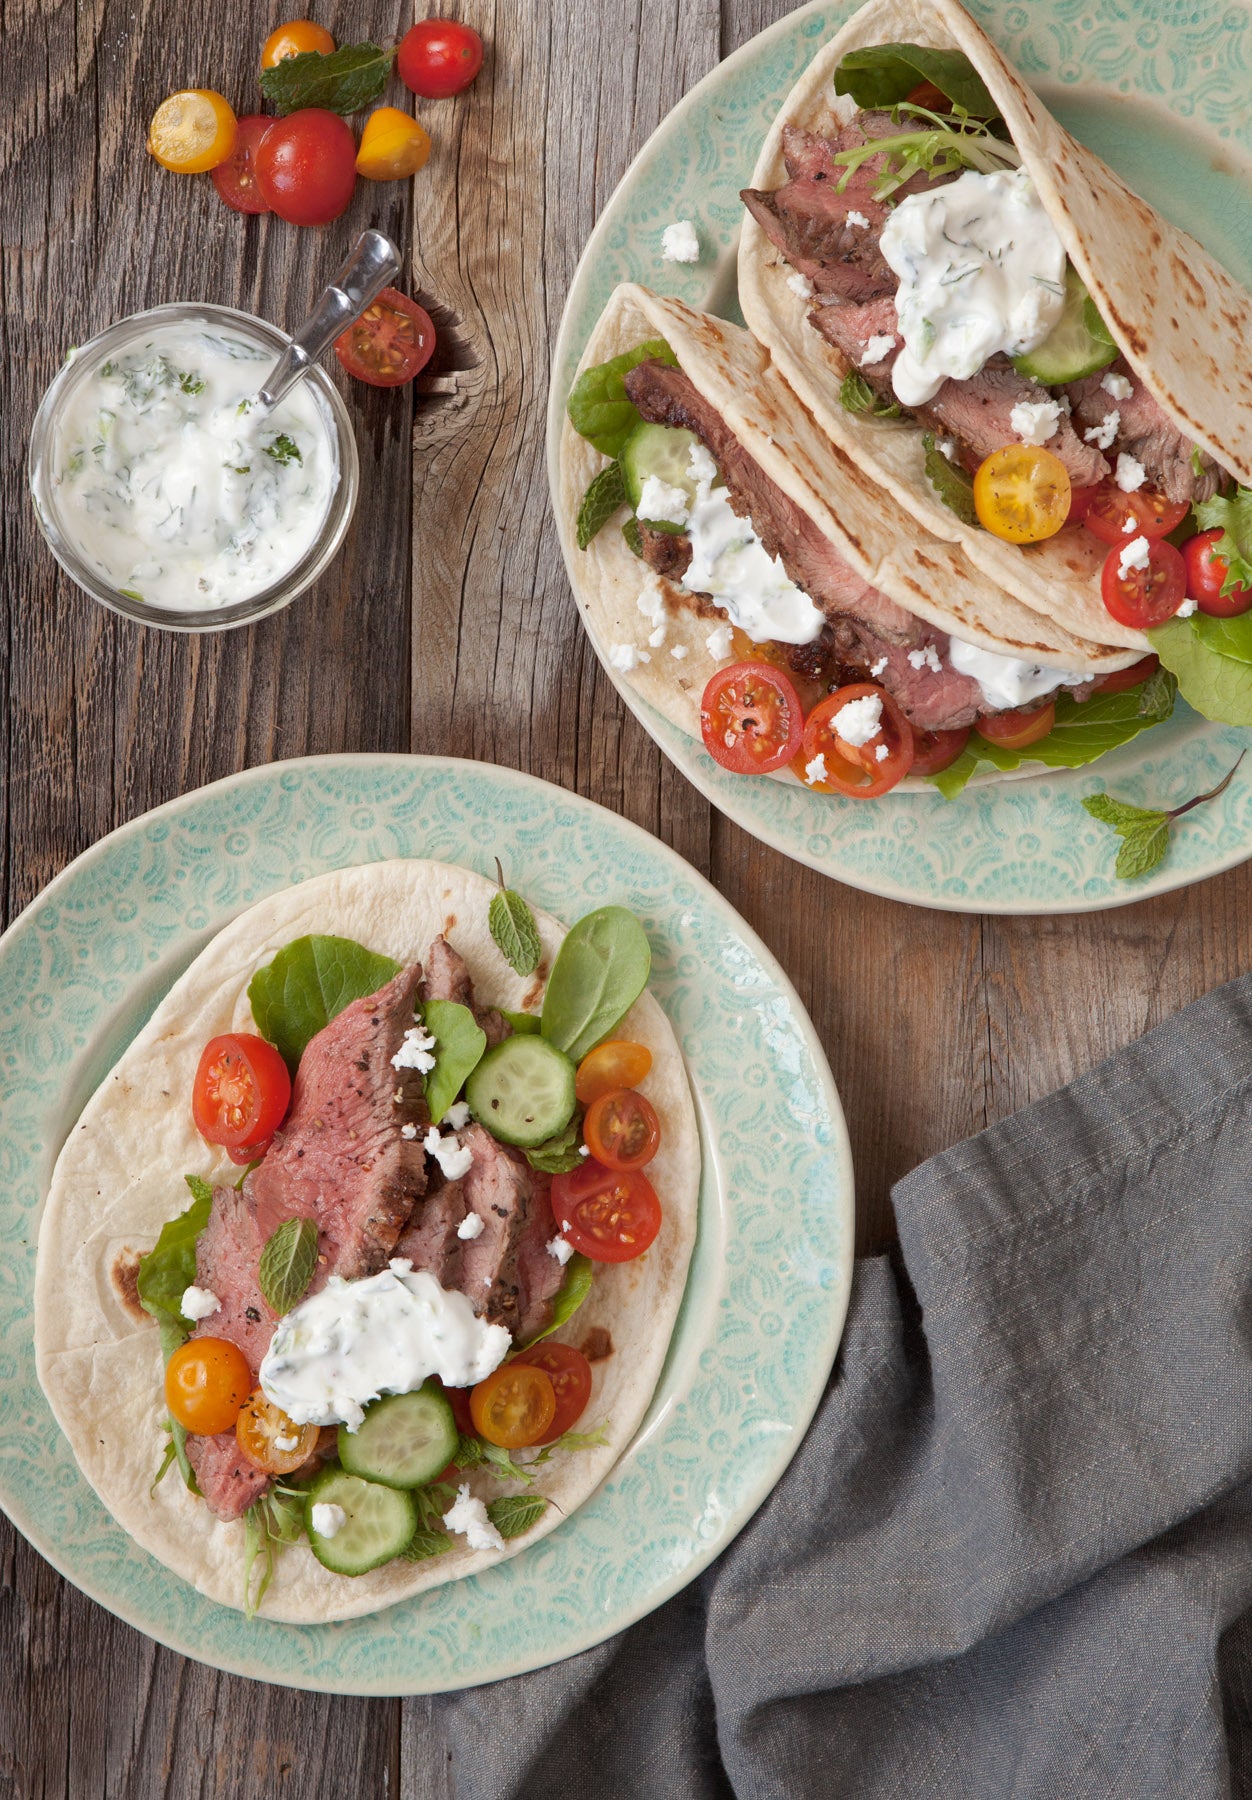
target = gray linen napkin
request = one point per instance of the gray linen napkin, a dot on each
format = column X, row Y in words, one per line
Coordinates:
column 1014, row 1554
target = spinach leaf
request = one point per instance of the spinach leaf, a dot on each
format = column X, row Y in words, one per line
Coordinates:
column 459, row 1045
column 953, row 484
column 606, row 494
column 1212, row 660
column 523, row 1023
column 343, row 80
column 307, row 984
column 579, row 1274
column 169, row 1268
column 600, row 971
column 881, row 74
column 598, row 407
column 512, row 1516
column 287, row 1264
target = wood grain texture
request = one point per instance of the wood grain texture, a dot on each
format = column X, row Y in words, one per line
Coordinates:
column 447, row 627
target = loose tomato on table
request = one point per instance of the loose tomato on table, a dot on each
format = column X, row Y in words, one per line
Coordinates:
column 306, row 166
column 295, row 38
column 610, row 1215
column 269, row 1439
column 1208, row 573
column 241, row 1091
column 439, row 57
column 1121, row 679
column 1015, row 730
column 235, row 179
column 192, row 131
column 621, row 1130
column 1022, row 493
column 390, row 343
column 1115, row 517
column 617, row 1064
column 393, row 145
column 856, row 770
column 207, row 1381
column 514, row 1407
column 570, row 1374
column 1144, row 597
column 750, row 718
column 935, row 751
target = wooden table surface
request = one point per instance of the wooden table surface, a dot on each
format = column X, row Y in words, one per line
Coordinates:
column 446, row 626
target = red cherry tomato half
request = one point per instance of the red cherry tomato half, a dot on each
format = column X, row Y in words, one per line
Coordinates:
column 1206, row 572
column 1150, row 514
column 1144, row 597
column 438, row 58
column 1015, row 730
column 610, row 1215
column 857, row 770
column 934, row 751
column 306, row 166
column 393, row 340
column 751, row 719
column 621, row 1130
column 235, row 179
column 241, row 1092
column 1080, row 499
column 570, row 1374
column 1121, row 679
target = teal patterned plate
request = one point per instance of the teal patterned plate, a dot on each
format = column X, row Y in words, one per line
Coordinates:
column 85, row 965
column 1159, row 88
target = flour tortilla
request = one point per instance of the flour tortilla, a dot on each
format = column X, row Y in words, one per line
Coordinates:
column 931, row 577
column 119, row 1178
column 1179, row 318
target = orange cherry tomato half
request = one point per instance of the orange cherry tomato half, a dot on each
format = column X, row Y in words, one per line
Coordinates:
column 192, row 131
column 1014, row 730
column 294, row 39
column 621, row 1130
column 235, row 179
column 617, row 1064
column 1115, row 517
column 610, row 1215
column 241, row 1092
column 570, row 1374
column 935, row 751
column 393, row 145
column 390, row 343
column 751, row 719
column 514, row 1407
column 269, row 1439
column 1022, row 493
column 207, row 1381
column 1144, row 597
column 1121, row 679
column 861, row 771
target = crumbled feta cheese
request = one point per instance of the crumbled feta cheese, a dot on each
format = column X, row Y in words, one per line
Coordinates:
column 1117, row 386
column 468, row 1515
column 1035, row 421
column 678, row 651
column 877, row 349
column 471, row 1227
column 877, row 668
column 1130, row 524
column 198, row 1303
column 882, row 753
column 1186, row 609
column 858, row 219
column 700, row 465
column 679, row 242
column 1130, row 474
column 327, row 1519
column 651, row 601
column 946, row 447
column 408, row 1131
column 719, row 641
column 860, row 720
column 926, row 658
column 662, row 503
column 1136, row 555
column 584, row 1150
column 1102, row 435
column 453, row 1158
column 816, row 770
column 457, row 1116
column 415, row 1051
column 286, row 1444
column 560, row 1249
column 625, row 657
column 800, row 285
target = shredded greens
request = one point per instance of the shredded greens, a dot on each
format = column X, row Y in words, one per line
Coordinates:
column 942, row 146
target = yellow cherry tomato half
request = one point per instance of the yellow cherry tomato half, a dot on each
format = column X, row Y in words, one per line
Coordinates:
column 393, row 145
column 1022, row 493
column 269, row 1439
column 293, row 39
column 514, row 1406
column 192, row 131
column 207, row 1381
column 617, row 1064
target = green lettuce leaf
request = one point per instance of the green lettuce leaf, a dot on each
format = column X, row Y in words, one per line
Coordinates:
column 459, row 1044
column 1212, row 660
column 598, row 407
column 579, row 1274
column 169, row 1268
column 559, row 1154
column 1233, row 514
column 882, row 74
column 307, row 984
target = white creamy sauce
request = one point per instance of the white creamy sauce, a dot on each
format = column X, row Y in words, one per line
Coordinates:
column 981, row 271
column 386, row 1334
column 171, row 492
column 1007, row 681
column 731, row 564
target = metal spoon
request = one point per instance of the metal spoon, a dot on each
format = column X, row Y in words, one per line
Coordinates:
column 373, row 263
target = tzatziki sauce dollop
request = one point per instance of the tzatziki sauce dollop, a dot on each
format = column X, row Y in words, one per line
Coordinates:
column 731, row 564
column 385, row 1334
column 981, row 271
column 173, row 487
column 1008, row 681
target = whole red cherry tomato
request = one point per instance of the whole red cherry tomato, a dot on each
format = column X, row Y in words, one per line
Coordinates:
column 306, row 166
column 439, row 57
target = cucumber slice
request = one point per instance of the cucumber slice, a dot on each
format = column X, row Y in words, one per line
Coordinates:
column 1072, row 348
column 523, row 1091
column 403, row 1440
column 663, row 451
column 380, row 1522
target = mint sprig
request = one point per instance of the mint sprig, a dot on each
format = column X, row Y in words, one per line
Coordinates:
column 953, row 484
column 287, row 1264
column 605, row 495
column 513, row 929
column 343, row 80
column 1144, row 830
column 857, row 396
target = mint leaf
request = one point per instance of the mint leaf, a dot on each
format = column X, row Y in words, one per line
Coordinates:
column 579, row 1274
column 881, row 74
column 308, row 983
column 426, row 1543
column 1143, row 830
column 953, row 484
column 287, row 1264
column 561, row 1153
column 857, row 396
column 1233, row 514
column 605, row 496
column 1209, row 658
column 169, row 1268
column 598, row 407
column 513, row 930
column 516, row 1514
column 600, row 971
column 459, row 1044
column 633, row 536
column 343, row 80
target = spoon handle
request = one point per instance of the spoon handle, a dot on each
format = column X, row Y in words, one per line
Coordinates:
column 373, row 263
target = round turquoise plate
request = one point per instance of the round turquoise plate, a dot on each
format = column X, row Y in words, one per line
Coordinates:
column 83, row 968
column 1160, row 90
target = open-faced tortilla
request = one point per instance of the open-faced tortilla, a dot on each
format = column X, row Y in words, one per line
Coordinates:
column 120, row 1176
column 1180, row 319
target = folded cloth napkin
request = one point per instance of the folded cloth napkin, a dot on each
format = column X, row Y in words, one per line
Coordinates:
column 1013, row 1556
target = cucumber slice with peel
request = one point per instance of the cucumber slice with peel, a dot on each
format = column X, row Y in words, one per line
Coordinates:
column 663, row 451
column 379, row 1522
column 1078, row 344
column 523, row 1091
column 403, row 1441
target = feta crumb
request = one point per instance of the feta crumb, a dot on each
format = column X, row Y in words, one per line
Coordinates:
column 946, row 447
column 719, row 642
column 1102, row 435
column 1130, row 473
column 679, row 242
column 468, row 1515
column 926, row 658
column 882, row 753
column 877, row 668
column 1130, row 523
column 858, row 219
column 1035, row 421
column 408, row 1131
column 560, row 1249
column 453, row 1158
column 286, row 1444
column 651, row 601
column 584, row 1150
column 471, row 1227
column 327, row 1519
column 657, row 638
column 457, row 1116
column 415, row 1051
column 700, row 464
column 1185, row 610
column 859, row 721
column 816, row 770
column 678, row 651
column 800, row 285
column 197, row 1303
column 877, row 348
column 624, row 658
column 1118, row 387
column 662, row 503
column 1136, row 555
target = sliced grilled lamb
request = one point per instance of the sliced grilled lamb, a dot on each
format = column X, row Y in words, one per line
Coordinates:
column 1142, row 430
column 448, row 978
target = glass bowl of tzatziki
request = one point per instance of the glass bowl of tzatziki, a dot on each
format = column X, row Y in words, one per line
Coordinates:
column 167, row 494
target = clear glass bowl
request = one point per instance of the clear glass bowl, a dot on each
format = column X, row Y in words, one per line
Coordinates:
column 82, row 365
